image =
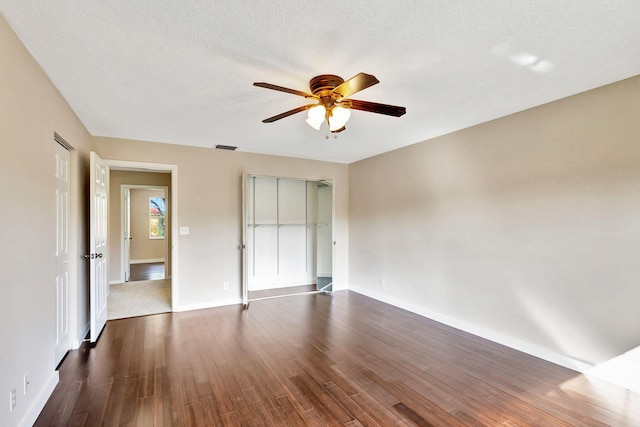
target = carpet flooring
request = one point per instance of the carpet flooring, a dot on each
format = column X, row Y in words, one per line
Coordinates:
column 142, row 298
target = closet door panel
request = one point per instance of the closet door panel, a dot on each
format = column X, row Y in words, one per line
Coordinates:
column 324, row 236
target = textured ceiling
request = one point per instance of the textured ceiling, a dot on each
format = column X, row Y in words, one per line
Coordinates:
column 182, row 72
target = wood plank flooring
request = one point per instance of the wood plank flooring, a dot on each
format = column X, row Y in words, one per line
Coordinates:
column 323, row 360
column 146, row 271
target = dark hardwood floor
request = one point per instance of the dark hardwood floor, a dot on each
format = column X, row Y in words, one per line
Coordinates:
column 146, row 271
column 340, row 359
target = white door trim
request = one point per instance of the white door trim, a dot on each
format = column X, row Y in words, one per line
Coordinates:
column 173, row 207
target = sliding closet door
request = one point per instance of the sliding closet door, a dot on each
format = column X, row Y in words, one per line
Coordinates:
column 324, row 236
column 245, row 239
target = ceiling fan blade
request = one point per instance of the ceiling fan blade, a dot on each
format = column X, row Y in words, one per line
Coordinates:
column 283, row 89
column 288, row 113
column 374, row 107
column 355, row 84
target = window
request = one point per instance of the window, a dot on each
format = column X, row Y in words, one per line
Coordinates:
column 157, row 210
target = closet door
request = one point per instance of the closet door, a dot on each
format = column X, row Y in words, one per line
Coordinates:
column 288, row 233
column 324, row 237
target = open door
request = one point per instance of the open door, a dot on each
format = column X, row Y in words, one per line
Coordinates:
column 98, row 249
column 126, row 223
column 324, row 237
column 243, row 245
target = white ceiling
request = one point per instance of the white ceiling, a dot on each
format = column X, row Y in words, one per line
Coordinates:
column 182, row 71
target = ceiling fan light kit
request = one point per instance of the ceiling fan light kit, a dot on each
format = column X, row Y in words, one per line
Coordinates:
column 333, row 106
column 316, row 115
column 338, row 117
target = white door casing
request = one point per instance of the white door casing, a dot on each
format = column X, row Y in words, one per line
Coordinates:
column 172, row 269
column 63, row 337
column 98, row 249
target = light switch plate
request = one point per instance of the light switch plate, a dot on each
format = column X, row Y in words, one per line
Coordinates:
column 184, row 231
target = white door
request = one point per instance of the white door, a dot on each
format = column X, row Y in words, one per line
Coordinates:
column 98, row 249
column 245, row 258
column 126, row 208
column 63, row 338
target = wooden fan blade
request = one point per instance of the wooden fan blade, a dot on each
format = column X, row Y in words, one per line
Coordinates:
column 355, row 84
column 374, row 107
column 288, row 113
column 283, row 89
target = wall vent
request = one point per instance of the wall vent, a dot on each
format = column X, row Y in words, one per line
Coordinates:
column 225, row 147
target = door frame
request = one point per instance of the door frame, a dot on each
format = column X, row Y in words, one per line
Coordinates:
column 173, row 208
column 125, row 193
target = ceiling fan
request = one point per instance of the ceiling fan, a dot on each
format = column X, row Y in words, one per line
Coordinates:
column 333, row 104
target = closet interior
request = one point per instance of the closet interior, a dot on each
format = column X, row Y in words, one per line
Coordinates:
column 288, row 236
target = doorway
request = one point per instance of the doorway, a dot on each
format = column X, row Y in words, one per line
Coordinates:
column 287, row 237
column 140, row 286
column 142, row 272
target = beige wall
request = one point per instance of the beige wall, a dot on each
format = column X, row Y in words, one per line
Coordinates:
column 31, row 110
column 525, row 227
column 117, row 179
column 210, row 204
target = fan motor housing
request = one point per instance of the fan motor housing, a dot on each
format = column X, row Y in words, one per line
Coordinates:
column 324, row 82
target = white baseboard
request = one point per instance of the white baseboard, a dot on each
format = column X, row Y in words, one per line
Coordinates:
column 210, row 304
column 41, row 399
column 497, row 337
column 75, row 344
column 145, row 261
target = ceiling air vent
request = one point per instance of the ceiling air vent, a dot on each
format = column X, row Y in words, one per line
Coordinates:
column 225, row 147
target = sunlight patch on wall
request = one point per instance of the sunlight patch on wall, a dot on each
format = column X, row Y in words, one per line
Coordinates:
column 556, row 325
